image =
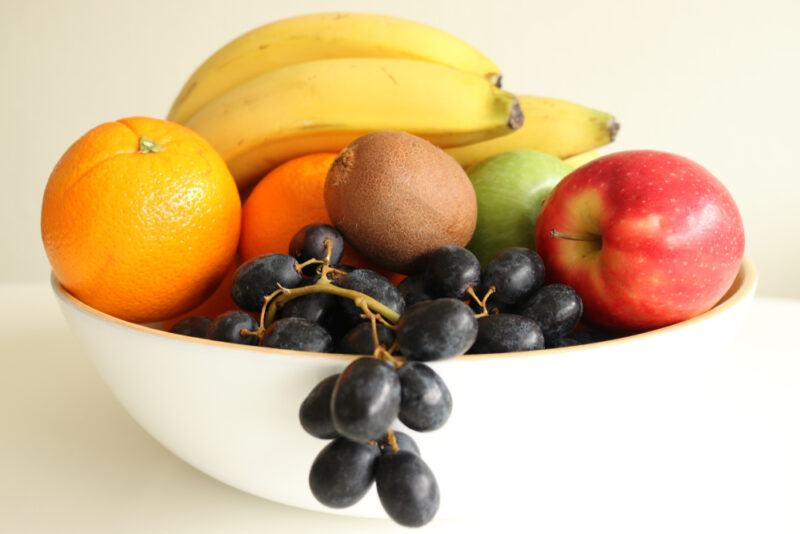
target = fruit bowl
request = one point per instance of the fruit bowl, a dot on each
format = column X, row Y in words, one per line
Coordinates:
column 548, row 430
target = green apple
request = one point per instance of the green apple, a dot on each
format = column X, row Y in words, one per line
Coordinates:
column 511, row 189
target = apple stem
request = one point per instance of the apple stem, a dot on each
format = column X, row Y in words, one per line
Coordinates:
column 592, row 238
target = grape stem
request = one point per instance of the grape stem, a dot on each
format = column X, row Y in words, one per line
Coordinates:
column 326, row 268
column 327, row 287
column 300, row 266
column 259, row 332
column 372, row 309
column 391, row 439
column 481, row 301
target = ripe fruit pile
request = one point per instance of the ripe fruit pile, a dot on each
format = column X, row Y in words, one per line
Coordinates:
column 358, row 163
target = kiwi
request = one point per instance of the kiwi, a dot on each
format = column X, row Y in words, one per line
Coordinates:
column 396, row 197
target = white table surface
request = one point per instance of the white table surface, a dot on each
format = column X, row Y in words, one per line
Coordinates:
column 72, row 461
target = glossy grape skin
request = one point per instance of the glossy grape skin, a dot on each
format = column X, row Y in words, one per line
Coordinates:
column 413, row 290
column 507, row 332
column 425, row 402
column 343, row 472
column 261, row 276
column 294, row 333
column 450, row 271
column 515, row 274
column 366, row 399
column 556, row 308
column 407, row 488
column 359, row 339
column 404, row 443
column 228, row 327
column 315, row 411
column 192, row 326
column 309, row 243
column 436, row 329
column 320, row 308
column 372, row 284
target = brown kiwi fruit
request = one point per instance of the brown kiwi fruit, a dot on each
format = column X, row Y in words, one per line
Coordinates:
column 396, row 197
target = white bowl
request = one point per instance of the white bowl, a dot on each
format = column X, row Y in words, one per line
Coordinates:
column 553, row 429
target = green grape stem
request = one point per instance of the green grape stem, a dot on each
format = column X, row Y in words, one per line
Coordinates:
column 326, row 287
column 372, row 309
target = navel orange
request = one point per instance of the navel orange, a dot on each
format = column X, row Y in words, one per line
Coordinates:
column 140, row 219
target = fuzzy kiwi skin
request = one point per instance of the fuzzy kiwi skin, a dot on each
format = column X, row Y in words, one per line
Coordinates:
column 396, row 197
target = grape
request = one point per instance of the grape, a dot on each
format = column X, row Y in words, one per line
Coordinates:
column 563, row 342
column 587, row 336
column 515, row 274
column 413, row 290
column 229, row 326
column 404, row 443
column 294, row 333
column 374, row 285
column 359, row 339
column 366, row 399
column 192, row 326
column 436, row 329
column 315, row 412
column 425, row 402
column 320, row 308
column 557, row 308
column 507, row 333
column 343, row 472
column 407, row 488
column 261, row 276
column 309, row 243
column 450, row 271
column 581, row 337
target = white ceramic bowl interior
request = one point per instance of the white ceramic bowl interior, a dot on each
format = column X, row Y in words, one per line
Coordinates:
column 551, row 430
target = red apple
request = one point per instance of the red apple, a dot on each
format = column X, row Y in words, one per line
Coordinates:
column 646, row 238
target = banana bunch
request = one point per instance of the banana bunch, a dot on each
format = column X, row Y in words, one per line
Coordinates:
column 558, row 127
column 316, row 82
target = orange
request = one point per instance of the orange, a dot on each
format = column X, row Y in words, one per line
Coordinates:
column 290, row 197
column 140, row 219
column 217, row 303
column 284, row 201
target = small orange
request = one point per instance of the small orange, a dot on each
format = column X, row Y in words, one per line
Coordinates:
column 140, row 219
column 290, row 197
column 284, row 201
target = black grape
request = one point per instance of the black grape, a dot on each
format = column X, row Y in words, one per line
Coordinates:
column 366, row 399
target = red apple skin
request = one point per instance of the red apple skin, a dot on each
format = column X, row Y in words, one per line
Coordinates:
column 669, row 239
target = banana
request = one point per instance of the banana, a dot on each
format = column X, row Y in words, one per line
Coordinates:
column 579, row 160
column 323, row 105
column 323, row 36
column 554, row 126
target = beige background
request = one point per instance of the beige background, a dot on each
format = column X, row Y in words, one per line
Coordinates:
column 714, row 80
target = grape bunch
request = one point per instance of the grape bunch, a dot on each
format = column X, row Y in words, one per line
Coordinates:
column 356, row 409
column 305, row 300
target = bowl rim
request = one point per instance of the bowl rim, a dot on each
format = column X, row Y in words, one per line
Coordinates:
column 746, row 278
